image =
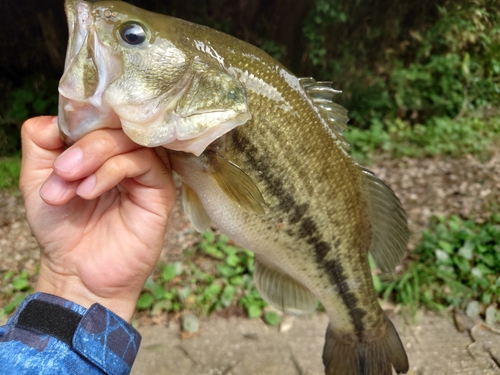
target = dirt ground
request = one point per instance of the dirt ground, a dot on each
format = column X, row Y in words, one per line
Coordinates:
column 239, row 346
column 433, row 186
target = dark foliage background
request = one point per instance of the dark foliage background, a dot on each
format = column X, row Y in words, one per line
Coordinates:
column 401, row 64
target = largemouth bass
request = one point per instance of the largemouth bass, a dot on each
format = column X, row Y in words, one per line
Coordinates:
column 261, row 155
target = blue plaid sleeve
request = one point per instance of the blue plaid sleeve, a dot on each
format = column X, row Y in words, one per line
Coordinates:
column 50, row 335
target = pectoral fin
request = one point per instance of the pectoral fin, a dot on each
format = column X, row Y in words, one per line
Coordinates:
column 281, row 291
column 389, row 224
column 194, row 209
column 236, row 184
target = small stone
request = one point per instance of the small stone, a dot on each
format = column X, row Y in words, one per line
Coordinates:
column 491, row 315
column 190, row 323
column 286, row 323
column 472, row 309
column 462, row 321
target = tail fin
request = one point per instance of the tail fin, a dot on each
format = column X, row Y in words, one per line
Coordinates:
column 346, row 357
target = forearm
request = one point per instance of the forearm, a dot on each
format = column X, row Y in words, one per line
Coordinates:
column 50, row 335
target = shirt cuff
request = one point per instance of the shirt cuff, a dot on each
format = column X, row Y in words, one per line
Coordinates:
column 97, row 334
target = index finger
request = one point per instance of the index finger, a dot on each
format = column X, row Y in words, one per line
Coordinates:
column 41, row 145
column 89, row 153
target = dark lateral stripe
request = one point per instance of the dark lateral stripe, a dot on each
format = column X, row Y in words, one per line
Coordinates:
column 308, row 230
column 273, row 185
column 338, row 277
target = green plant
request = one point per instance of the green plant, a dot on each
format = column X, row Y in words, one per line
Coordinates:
column 470, row 134
column 188, row 286
column 36, row 96
column 459, row 261
column 17, row 291
column 413, row 61
column 10, row 168
column 272, row 48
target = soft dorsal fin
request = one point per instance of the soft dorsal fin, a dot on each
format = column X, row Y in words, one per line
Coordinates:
column 390, row 231
column 322, row 94
column 194, row 209
column 236, row 184
column 281, row 291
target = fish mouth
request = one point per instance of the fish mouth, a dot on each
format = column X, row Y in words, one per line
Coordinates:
column 89, row 68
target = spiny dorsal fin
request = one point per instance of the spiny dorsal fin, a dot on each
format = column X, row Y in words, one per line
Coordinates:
column 281, row 291
column 194, row 209
column 389, row 224
column 322, row 93
column 236, row 184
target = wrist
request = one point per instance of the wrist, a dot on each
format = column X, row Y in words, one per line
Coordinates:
column 72, row 288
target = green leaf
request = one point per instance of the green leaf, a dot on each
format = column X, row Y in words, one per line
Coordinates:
column 209, row 236
column 466, row 250
column 486, row 298
column 150, row 284
column 163, row 305
column 254, row 311
column 159, row 292
column 213, row 251
column 462, row 263
column 446, row 246
column 20, row 284
column 233, row 260
column 376, row 283
column 212, row 290
column 145, row 301
column 228, row 295
column 442, row 256
column 169, row 272
column 225, row 270
column 489, row 260
column 10, row 307
column 484, row 269
column 272, row 318
column 236, row 280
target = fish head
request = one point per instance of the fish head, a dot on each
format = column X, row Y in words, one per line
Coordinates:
column 137, row 70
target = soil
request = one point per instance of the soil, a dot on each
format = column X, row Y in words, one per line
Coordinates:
column 467, row 187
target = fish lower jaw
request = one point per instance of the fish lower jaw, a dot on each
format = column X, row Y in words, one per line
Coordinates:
column 77, row 119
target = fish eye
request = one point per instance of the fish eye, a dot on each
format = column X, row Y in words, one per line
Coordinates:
column 132, row 33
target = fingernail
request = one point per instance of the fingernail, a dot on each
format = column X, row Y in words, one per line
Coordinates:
column 69, row 160
column 53, row 189
column 86, row 186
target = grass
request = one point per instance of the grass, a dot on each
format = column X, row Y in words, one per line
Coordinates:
column 215, row 275
column 10, row 167
column 440, row 135
column 458, row 263
column 18, row 288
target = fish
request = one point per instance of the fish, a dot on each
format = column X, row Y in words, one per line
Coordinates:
column 261, row 155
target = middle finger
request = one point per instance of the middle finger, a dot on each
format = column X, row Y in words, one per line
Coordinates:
column 89, row 153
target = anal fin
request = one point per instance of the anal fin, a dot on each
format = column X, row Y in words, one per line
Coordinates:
column 194, row 209
column 281, row 291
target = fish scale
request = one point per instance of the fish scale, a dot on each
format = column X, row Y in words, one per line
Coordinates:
column 305, row 227
column 261, row 155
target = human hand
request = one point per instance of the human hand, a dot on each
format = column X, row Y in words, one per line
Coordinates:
column 98, row 210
